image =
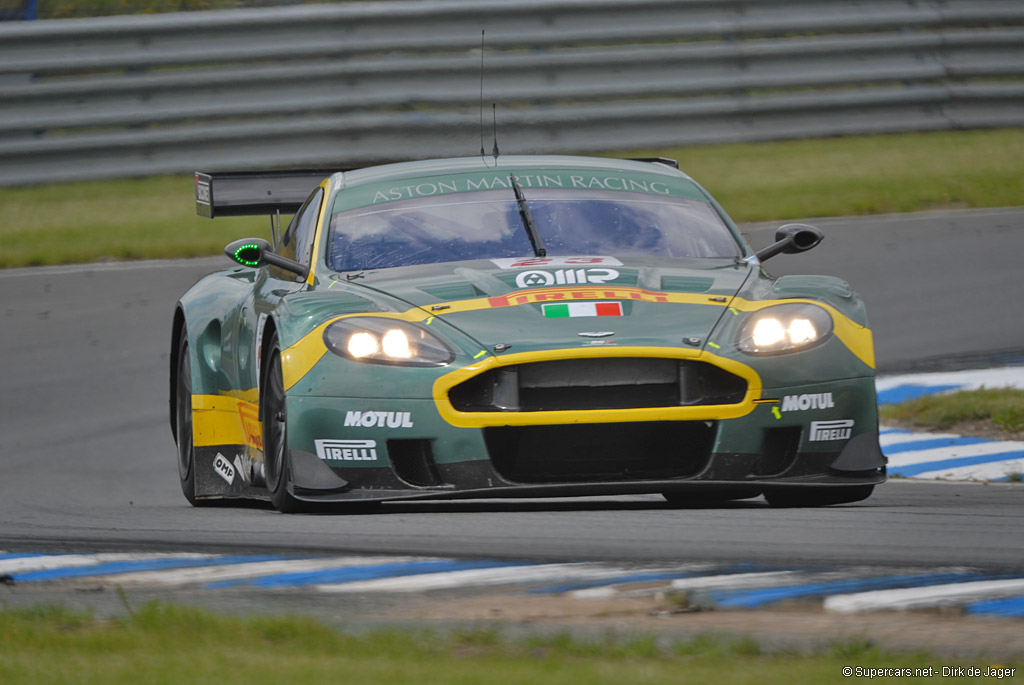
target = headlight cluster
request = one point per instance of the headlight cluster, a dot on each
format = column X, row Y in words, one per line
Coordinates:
column 784, row 328
column 386, row 341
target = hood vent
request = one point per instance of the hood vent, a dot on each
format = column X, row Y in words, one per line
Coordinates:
column 686, row 284
column 459, row 290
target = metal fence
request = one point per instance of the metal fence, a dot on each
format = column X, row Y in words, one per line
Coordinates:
column 356, row 83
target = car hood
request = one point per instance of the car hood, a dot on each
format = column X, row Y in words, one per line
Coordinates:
column 566, row 302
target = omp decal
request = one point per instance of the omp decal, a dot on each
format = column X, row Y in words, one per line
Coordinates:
column 223, row 468
column 825, row 431
column 544, row 262
column 607, row 349
column 346, row 450
column 379, row 419
column 820, row 400
column 535, row 278
column 580, row 309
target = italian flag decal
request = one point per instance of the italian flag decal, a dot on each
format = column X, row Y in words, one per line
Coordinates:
column 564, row 310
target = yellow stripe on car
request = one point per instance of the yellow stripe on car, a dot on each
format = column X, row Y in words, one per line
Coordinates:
column 224, row 420
column 298, row 359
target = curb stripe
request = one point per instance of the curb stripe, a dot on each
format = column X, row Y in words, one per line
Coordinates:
column 211, row 574
column 923, row 597
column 990, row 447
column 43, row 562
column 349, row 574
column 933, row 443
column 1012, row 607
column 939, row 466
column 844, row 590
column 997, row 470
column 129, row 566
column 904, row 436
column 479, row 577
column 753, row 598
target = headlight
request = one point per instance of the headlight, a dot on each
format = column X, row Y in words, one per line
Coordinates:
column 784, row 328
column 385, row 341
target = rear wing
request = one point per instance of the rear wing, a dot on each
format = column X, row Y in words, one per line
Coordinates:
column 251, row 193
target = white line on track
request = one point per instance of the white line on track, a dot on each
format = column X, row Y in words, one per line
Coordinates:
column 729, row 581
column 501, row 576
column 256, row 569
column 955, row 451
column 1002, row 377
column 922, row 597
column 50, row 562
column 891, row 439
column 991, row 471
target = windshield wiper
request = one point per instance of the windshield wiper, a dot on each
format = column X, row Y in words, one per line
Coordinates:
column 524, row 214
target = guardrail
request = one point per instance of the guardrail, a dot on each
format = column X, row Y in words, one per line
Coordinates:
column 357, row 83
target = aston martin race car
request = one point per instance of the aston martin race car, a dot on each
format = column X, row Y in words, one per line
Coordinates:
column 521, row 326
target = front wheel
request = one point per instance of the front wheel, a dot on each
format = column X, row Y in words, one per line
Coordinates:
column 817, row 497
column 183, row 422
column 274, row 416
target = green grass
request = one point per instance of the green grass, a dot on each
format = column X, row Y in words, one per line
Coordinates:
column 154, row 218
column 167, row 644
column 861, row 175
column 1001, row 408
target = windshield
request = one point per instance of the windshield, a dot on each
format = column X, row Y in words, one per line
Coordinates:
column 488, row 225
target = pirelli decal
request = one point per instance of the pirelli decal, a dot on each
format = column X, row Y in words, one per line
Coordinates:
column 562, row 294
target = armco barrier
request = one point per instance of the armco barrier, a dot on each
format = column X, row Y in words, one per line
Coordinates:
column 354, row 83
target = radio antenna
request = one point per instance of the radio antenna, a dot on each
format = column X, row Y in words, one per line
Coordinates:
column 494, row 125
column 482, row 153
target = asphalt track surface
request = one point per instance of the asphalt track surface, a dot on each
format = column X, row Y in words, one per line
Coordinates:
column 89, row 463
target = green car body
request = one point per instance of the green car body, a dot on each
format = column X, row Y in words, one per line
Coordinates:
column 517, row 369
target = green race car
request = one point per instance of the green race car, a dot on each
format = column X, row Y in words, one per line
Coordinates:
column 528, row 326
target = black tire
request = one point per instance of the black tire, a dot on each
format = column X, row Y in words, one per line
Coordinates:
column 705, row 498
column 274, row 418
column 817, row 497
column 183, row 423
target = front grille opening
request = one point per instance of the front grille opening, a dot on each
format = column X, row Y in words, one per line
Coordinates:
column 413, row 462
column 778, row 451
column 605, row 383
column 583, row 453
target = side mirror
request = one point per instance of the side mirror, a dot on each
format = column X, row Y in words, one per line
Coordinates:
column 791, row 239
column 257, row 252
